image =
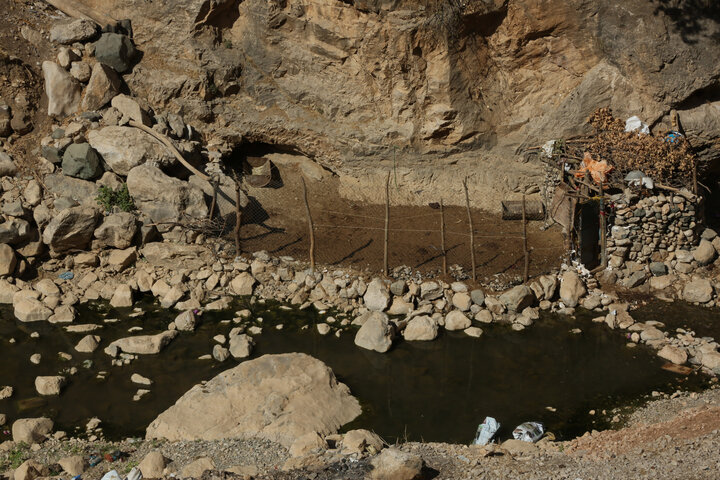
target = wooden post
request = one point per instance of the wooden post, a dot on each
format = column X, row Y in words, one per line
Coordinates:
column 525, row 243
column 442, row 238
column 310, row 227
column 238, row 215
column 603, row 228
column 214, row 184
column 472, row 230
column 387, row 223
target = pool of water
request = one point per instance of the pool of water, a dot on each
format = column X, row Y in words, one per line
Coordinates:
column 431, row 391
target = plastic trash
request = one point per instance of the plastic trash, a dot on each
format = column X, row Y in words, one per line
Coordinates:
column 66, row 276
column 529, row 432
column 548, row 148
column 112, row 475
column 486, row 431
column 134, row 474
column 673, row 137
column 637, row 178
column 94, row 460
column 634, row 124
column 77, row 477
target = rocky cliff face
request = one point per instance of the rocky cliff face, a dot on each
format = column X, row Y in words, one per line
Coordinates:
column 463, row 84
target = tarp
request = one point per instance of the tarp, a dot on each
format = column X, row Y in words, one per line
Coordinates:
column 598, row 170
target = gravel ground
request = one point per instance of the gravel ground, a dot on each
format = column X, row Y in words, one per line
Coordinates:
column 669, row 438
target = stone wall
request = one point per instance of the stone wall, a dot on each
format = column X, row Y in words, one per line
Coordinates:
column 657, row 234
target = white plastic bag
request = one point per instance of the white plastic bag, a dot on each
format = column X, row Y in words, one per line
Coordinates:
column 548, row 148
column 634, row 123
column 529, row 432
column 112, row 475
column 486, row 431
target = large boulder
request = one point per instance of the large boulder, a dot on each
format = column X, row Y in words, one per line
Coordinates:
column 14, row 231
column 115, row 50
column 704, row 253
column 124, row 148
column 104, row 84
column 518, row 298
column 7, row 166
column 421, row 328
column 456, row 320
column 277, row 397
column 376, row 333
column 31, row 430
column 377, row 295
column 241, row 345
column 143, row 344
column 82, row 191
column 29, row 309
column 116, row 230
column 81, row 161
column 62, row 90
column 698, row 290
column 71, row 229
column 572, row 289
column 165, row 199
column 80, row 30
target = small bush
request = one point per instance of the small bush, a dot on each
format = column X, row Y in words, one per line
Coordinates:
column 109, row 199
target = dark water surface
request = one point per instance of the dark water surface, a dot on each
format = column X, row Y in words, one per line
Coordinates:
column 432, row 391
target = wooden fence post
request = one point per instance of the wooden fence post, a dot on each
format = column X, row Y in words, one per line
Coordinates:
column 238, row 215
column 387, row 224
column 525, row 243
column 472, row 230
column 442, row 238
column 310, row 226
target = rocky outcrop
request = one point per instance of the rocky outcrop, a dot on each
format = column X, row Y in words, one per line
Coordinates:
column 349, row 83
column 277, row 397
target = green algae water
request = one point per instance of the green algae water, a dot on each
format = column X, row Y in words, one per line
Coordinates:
column 430, row 391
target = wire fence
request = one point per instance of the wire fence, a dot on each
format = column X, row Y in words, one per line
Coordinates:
column 394, row 238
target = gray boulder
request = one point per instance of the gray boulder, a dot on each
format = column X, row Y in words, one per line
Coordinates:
column 456, row 320
column 104, row 84
column 14, row 231
column 7, row 166
column 115, row 50
column 124, row 148
column 71, row 229
column 81, row 161
column 165, row 199
column 81, row 191
column 63, row 91
column 116, row 230
column 376, row 333
column 31, row 430
column 377, row 295
column 518, row 298
column 658, row 269
column 572, row 289
column 186, row 322
column 241, row 346
column 276, row 397
column 699, row 290
column 421, row 328
column 704, row 253
column 8, row 260
column 76, row 31
column 5, row 118
column 131, row 109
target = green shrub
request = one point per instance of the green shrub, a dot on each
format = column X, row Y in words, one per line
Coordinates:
column 120, row 198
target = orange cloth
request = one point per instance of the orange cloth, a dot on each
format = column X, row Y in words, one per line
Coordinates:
column 598, row 170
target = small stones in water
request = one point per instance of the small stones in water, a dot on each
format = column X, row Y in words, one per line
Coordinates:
column 139, row 394
column 473, row 332
column 65, row 356
column 35, row 358
column 575, row 331
column 6, row 392
column 255, row 330
column 140, row 380
column 220, row 339
column 279, row 326
column 34, row 335
column 134, row 329
column 323, row 328
column 220, row 353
